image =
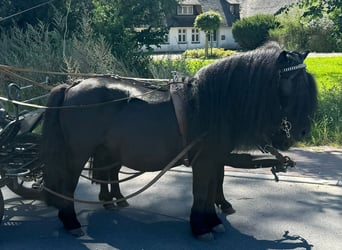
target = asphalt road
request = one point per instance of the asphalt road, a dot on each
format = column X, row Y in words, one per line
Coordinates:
column 302, row 211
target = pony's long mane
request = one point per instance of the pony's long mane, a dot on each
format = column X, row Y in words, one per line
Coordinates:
column 236, row 99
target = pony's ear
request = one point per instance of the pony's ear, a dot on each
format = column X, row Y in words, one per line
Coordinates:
column 304, row 54
column 282, row 58
column 285, row 57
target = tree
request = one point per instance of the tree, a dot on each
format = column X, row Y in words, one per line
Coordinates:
column 318, row 8
column 130, row 25
column 208, row 22
column 23, row 13
column 251, row 32
column 320, row 22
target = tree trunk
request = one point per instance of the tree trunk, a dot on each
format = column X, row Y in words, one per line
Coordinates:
column 207, row 34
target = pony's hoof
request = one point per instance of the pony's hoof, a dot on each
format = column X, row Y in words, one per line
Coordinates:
column 110, row 206
column 219, row 229
column 77, row 232
column 227, row 210
column 206, row 237
column 122, row 203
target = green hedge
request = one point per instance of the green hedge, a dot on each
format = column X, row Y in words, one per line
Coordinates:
column 251, row 32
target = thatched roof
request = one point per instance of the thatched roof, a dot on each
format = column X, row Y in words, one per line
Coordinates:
column 254, row 7
column 247, row 8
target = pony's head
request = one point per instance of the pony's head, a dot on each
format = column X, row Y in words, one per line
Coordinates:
column 259, row 97
column 298, row 99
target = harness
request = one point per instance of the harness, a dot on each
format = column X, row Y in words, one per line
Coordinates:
column 285, row 124
column 177, row 93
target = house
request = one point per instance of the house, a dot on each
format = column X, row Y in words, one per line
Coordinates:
column 183, row 35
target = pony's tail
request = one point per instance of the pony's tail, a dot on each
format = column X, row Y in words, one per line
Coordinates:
column 53, row 152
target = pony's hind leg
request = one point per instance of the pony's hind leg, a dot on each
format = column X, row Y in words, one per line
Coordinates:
column 60, row 181
column 67, row 212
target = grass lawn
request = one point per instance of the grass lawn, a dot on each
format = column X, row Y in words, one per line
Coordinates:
column 327, row 124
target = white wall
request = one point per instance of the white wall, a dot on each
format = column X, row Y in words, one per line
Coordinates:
column 224, row 40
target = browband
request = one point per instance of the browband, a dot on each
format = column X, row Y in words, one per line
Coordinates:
column 292, row 68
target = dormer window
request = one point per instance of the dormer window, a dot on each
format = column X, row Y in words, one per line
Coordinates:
column 235, row 10
column 185, row 10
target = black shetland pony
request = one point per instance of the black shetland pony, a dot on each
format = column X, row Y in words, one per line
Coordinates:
column 260, row 97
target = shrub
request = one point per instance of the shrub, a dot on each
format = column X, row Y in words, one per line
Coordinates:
column 184, row 67
column 291, row 33
column 252, row 32
column 200, row 53
column 321, row 33
column 41, row 47
column 298, row 31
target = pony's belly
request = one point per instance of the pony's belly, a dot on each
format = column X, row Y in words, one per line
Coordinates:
column 148, row 157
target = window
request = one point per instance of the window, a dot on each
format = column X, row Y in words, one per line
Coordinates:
column 166, row 39
column 235, row 10
column 181, row 35
column 185, row 10
column 213, row 35
column 195, row 36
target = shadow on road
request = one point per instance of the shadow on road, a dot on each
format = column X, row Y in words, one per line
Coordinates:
column 168, row 233
column 35, row 226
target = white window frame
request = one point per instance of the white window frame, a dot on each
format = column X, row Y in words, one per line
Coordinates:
column 182, row 35
column 212, row 34
column 185, row 10
column 195, row 35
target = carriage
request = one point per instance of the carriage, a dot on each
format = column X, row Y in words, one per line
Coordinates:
column 20, row 163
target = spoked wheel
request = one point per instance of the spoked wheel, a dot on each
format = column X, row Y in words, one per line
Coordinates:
column 2, row 206
column 24, row 188
column 25, row 167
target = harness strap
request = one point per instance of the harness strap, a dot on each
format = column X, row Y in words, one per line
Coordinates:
column 177, row 95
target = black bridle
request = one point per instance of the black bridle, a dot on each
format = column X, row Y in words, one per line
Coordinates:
column 285, row 125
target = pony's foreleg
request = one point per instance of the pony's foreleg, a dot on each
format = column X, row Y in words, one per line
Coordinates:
column 105, row 195
column 115, row 188
column 220, row 200
column 203, row 218
column 111, row 175
column 102, row 159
